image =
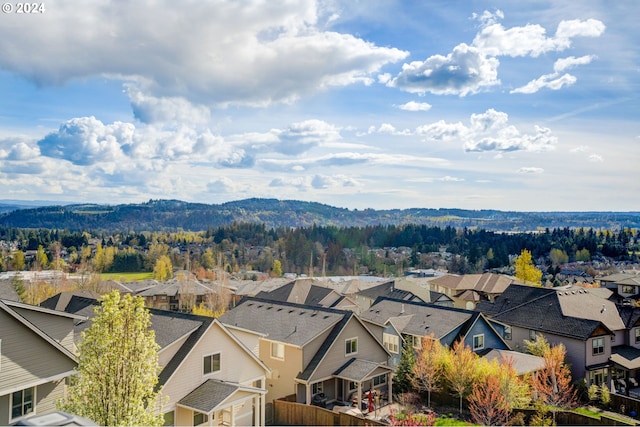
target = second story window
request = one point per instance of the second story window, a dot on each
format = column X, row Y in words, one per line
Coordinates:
column 277, row 350
column 637, row 335
column 211, row 363
column 391, row 342
column 598, row 346
column 507, row 332
column 351, row 346
column 478, row 342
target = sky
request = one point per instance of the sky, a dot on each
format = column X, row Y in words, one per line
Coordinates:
column 508, row 105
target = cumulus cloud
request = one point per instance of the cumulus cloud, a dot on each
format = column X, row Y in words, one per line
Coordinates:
column 18, row 150
column 415, row 106
column 531, row 39
column 87, row 141
column 464, row 71
column 150, row 109
column 221, row 185
column 470, row 69
column 302, row 136
column 246, row 52
column 596, row 158
column 490, row 131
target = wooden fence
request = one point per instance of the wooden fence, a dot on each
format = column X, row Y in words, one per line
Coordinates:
column 299, row 414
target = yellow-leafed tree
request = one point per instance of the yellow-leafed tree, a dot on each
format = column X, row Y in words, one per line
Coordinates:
column 526, row 269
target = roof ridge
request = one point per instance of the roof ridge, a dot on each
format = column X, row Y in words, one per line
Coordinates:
column 551, row 292
column 293, row 304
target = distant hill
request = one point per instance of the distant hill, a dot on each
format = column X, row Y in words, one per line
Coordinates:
column 176, row 215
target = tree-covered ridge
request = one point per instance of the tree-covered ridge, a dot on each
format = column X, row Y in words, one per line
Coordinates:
column 168, row 215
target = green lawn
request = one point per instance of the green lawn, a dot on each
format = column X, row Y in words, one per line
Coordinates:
column 127, row 277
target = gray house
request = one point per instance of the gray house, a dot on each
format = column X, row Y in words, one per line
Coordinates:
column 320, row 355
column 36, row 356
column 397, row 321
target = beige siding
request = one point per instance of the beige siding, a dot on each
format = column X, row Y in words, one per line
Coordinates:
column 283, row 372
column 47, row 395
column 168, row 352
column 235, row 365
column 60, row 328
column 26, row 357
column 376, row 330
column 249, row 339
column 368, row 349
column 312, row 348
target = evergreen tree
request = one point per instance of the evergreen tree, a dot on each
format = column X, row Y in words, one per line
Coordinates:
column 117, row 366
column 404, row 373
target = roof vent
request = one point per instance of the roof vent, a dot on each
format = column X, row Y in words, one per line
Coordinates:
column 603, row 309
column 402, row 309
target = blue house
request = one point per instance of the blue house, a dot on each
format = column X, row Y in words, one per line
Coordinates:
column 395, row 321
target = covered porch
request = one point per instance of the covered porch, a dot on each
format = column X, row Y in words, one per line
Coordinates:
column 220, row 403
column 350, row 386
column 625, row 370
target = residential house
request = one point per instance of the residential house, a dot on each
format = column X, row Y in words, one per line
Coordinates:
column 208, row 375
column 308, row 292
column 366, row 297
column 180, row 294
column 625, row 286
column 395, row 321
column 320, row 355
column 587, row 325
column 468, row 290
column 36, row 357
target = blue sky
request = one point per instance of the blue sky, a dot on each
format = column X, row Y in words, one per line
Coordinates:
column 526, row 106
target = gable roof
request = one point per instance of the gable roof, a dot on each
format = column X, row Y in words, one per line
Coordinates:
column 5, row 306
column 211, row 394
column 488, row 283
column 388, row 289
column 303, row 292
column 169, row 326
column 555, row 311
column 415, row 318
column 290, row 323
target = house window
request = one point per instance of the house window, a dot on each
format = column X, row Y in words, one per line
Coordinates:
column 199, row 418
column 416, row 342
column 163, row 297
column 353, row 385
column 391, row 342
column 507, row 332
column 627, row 289
column 169, row 418
column 22, row 402
column 598, row 346
column 478, row 342
column 380, row 379
column 211, row 363
column 351, row 346
column 637, row 335
column 316, row 388
column 532, row 335
column 277, row 350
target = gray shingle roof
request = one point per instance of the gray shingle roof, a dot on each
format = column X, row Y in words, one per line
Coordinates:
column 541, row 309
column 208, row 395
column 359, row 369
column 388, row 289
column 417, row 318
column 294, row 324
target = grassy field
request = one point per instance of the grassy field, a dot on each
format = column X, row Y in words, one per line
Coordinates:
column 127, row 277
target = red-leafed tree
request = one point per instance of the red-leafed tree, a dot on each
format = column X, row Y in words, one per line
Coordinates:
column 487, row 403
column 552, row 384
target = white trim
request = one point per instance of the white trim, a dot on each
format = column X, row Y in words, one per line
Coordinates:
column 345, row 346
column 17, row 304
column 213, row 371
column 480, row 347
column 34, row 399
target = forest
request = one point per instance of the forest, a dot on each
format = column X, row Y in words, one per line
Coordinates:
column 330, row 250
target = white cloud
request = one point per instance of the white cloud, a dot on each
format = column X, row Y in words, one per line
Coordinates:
column 596, row 158
column 221, row 185
column 554, row 81
column 150, row 109
column 464, row 71
column 243, row 52
column 531, row 170
column 563, row 64
column 531, row 39
column 490, row 131
column 302, row 136
column 415, row 106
